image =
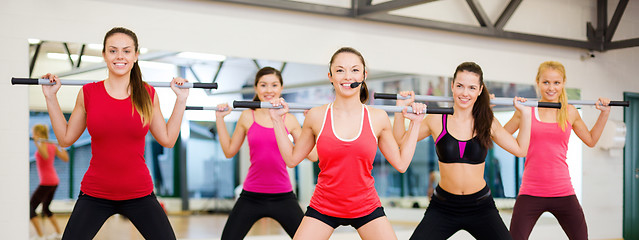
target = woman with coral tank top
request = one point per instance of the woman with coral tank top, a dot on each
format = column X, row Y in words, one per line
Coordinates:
column 347, row 134
column 118, row 112
column 546, row 185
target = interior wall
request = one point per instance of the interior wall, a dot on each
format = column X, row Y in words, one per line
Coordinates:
column 240, row 31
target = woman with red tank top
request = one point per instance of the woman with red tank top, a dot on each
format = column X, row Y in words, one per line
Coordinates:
column 118, row 112
column 267, row 190
column 347, row 134
column 45, row 155
column 462, row 200
column 546, row 185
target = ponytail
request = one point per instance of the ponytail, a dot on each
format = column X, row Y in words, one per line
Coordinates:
column 139, row 95
column 562, row 114
column 483, row 115
column 363, row 93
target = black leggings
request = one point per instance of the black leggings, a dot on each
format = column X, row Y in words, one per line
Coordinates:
column 448, row 213
column 252, row 206
column 566, row 209
column 44, row 195
column 90, row 213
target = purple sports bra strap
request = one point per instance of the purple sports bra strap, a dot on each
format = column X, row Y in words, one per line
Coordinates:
column 444, row 128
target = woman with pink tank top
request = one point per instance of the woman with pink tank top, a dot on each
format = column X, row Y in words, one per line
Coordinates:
column 347, row 134
column 45, row 155
column 546, row 185
column 267, row 190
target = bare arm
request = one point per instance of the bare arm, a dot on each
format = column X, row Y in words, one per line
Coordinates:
column 399, row 156
column 590, row 138
column 293, row 155
column 296, row 131
column 230, row 145
column 62, row 154
column 513, row 124
column 66, row 132
column 166, row 133
column 42, row 148
column 503, row 138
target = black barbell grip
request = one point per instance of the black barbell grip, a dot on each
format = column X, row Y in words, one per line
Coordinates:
column 385, row 96
column 247, row 104
column 194, row 108
column 549, row 105
column 24, row 81
column 205, row 85
column 619, row 103
column 436, row 110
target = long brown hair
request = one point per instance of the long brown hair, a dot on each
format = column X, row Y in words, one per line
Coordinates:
column 482, row 113
column 562, row 114
column 263, row 72
column 363, row 93
column 139, row 96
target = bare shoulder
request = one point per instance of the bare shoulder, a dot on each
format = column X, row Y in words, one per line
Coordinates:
column 291, row 121
column 572, row 111
column 317, row 112
column 496, row 122
column 315, row 116
column 432, row 119
column 377, row 113
column 246, row 118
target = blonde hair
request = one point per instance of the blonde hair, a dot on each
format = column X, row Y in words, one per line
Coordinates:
column 42, row 130
column 562, row 114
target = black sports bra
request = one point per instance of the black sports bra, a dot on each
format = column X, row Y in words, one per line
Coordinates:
column 451, row 150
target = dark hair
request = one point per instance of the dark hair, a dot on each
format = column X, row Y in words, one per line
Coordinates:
column 482, row 112
column 363, row 94
column 139, row 96
column 263, row 72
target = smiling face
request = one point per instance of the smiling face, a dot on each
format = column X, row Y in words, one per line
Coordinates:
column 120, row 54
column 346, row 68
column 551, row 84
column 466, row 88
column 268, row 87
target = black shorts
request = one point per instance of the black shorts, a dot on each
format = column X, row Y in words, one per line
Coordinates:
column 335, row 222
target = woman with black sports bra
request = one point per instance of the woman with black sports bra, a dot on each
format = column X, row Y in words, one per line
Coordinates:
column 462, row 200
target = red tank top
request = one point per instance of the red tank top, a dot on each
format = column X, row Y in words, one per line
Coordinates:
column 545, row 170
column 345, row 187
column 117, row 170
column 46, row 171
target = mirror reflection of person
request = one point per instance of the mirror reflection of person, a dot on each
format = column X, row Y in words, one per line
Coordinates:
column 462, row 200
column 546, row 184
column 267, row 190
column 118, row 112
column 45, row 156
column 347, row 135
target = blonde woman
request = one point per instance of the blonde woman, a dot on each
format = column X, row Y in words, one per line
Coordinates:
column 546, row 185
column 45, row 155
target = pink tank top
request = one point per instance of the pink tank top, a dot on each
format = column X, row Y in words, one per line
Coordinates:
column 46, row 171
column 267, row 173
column 345, row 187
column 545, row 170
